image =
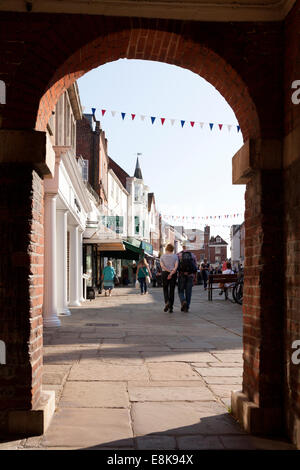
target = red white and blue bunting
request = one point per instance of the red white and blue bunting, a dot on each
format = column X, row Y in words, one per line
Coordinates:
column 173, row 122
column 190, row 218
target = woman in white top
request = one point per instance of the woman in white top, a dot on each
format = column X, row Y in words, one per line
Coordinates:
column 169, row 265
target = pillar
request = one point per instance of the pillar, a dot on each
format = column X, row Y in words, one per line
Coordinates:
column 259, row 406
column 80, row 266
column 61, row 262
column 50, row 273
column 24, row 407
column 74, row 266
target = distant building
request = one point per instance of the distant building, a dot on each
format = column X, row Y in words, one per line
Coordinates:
column 138, row 221
column 217, row 250
column 237, row 238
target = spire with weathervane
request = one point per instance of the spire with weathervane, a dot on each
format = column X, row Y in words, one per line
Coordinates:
column 138, row 171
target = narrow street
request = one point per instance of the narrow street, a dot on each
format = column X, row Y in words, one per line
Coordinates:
column 129, row 376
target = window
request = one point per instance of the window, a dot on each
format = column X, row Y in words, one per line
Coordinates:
column 218, row 250
column 85, row 170
column 136, row 224
column 136, row 193
column 218, row 239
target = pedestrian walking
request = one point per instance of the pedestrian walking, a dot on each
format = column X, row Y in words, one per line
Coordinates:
column 134, row 270
column 108, row 277
column 169, row 264
column 153, row 274
column 187, row 267
column 205, row 271
column 143, row 275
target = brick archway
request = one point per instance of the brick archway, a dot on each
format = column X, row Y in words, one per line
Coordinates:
column 44, row 54
column 162, row 46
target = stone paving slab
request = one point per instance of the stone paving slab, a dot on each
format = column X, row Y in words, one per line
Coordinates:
column 224, row 390
column 169, row 393
column 55, row 374
column 200, row 443
column 99, row 371
column 171, row 371
column 223, row 380
column 156, row 442
column 84, row 428
column 229, row 357
column 182, row 356
column 95, row 395
column 220, row 371
column 177, row 418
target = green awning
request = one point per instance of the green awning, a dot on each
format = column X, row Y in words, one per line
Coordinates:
column 131, row 253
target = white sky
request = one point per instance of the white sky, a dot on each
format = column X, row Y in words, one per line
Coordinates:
column 188, row 169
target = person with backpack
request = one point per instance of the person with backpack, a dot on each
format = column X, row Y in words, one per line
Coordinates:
column 187, row 267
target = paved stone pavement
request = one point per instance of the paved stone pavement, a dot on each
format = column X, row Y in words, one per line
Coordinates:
column 129, row 376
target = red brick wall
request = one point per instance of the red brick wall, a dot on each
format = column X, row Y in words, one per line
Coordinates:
column 84, row 144
column 245, row 66
column 263, row 291
column 21, row 285
column 292, row 224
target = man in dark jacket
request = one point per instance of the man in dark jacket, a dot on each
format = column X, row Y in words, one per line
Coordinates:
column 187, row 269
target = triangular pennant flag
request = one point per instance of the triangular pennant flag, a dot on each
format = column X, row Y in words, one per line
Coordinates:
column 132, row 116
column 211, row 125
column 113, row 113
column 143, row 117
column 229, row 126
column 123, row 115
column 172, row 121
column 182, row 123
column 153, row 119
column 201, row 124
column 238, row 128
column 103, row 111
column 220, row 126
column 192, row 123
column 162, row 121
column 93, row 110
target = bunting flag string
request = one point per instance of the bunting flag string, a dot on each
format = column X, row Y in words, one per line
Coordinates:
column 194, row 124
column 190, row 218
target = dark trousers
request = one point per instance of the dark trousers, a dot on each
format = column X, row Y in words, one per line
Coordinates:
column 143, row 284
column 169, row 288
column 185, row 286
column 205, row 277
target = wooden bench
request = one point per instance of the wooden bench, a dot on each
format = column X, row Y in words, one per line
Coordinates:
column 221, row 279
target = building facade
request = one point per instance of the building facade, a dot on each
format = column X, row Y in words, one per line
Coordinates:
column 66, row 210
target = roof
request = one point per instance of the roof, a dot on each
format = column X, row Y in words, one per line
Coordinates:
column 213, row 242
column 138, row 171
column 119, row 172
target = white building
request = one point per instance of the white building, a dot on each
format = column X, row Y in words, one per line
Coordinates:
column 194, row 239
column 117, row 205
column 138, row 217
column 237, row 239
column 66, row 210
